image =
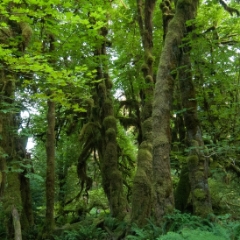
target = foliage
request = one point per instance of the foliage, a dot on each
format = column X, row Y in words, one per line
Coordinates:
column 68, row 75
column 84, row 232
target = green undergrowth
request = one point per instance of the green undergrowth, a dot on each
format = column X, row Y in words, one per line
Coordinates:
column 176, row 226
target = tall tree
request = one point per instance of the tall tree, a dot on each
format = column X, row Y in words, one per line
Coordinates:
column 142, row 184
column 14, row 38
column 197, row 161
column 185, row 10
column 50, row 154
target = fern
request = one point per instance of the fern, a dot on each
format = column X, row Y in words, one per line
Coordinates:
column 171, row 236
column 192, row 235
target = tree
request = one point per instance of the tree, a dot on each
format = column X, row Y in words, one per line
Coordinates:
column 142, row 184
column 162, row 106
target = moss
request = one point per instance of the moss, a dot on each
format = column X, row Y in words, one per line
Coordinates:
column 146, row 145
column 193, row 161
column 199, row 194
column 199, row 175
column 183, row 190
column 110, row 122
column 145, row 161
column 108, row 107
column 5, row 34
column 150, row 59
column 89, row 129
column 147, row 110
column 144, row 67
column 148, row 79
column 102, row 87
column 161, row 139
column 90, row 102
column 147, row 128
column 109, row 83
column 26, row 33
column 111, row 134
column 142, row 198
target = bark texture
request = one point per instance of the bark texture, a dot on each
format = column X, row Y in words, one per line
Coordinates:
column 185, row 10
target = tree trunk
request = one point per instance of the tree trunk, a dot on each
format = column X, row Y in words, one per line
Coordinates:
column 183, row 189
column 142, row 194
column 16, row 224
column 111, row 175
column 197, row 162
column 10, row 181
column 50, row 172
column 185, row 10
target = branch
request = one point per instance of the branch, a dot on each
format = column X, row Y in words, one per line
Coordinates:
column 231, row 10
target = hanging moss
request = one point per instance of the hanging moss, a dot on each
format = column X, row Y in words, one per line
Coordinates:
column 89, row 129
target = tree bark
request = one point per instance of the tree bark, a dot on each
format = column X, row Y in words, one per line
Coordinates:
column 164, row 200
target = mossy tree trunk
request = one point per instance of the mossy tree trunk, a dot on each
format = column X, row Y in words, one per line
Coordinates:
column 183, row 190
column 197, row 162
column 10, row 184
column 111, row 175
column 50, row 171
column 185, row 10
column 27, row 218
column 50, row 154
column 100, row 133
column 142, row 183
column 10, row 175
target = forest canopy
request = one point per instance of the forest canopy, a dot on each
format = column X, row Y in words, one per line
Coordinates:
column 119, row 119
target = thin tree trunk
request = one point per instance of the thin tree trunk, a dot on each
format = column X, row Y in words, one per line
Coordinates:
column 185, row 10
column 50, row 172
column 50, row 152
